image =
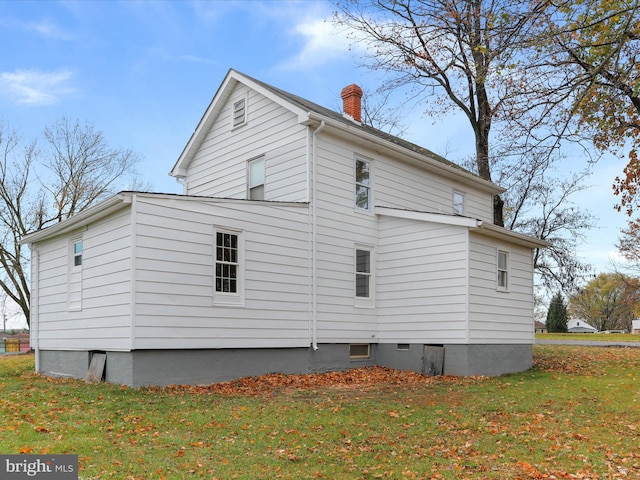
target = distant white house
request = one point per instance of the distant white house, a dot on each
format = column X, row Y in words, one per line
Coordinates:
column 303, row 241
column 635, row 326
column 578, row 325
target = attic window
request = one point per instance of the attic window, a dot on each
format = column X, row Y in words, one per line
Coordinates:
column 240, row 112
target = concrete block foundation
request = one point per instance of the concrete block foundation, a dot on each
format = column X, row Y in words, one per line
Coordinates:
column 201, row 367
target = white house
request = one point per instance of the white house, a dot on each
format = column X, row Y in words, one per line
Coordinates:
column 635, row 326
column 579, row 325
column 303, row 241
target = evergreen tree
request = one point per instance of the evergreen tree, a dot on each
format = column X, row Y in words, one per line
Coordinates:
column 557, row 315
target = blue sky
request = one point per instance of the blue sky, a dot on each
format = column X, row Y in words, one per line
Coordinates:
column 143, row 72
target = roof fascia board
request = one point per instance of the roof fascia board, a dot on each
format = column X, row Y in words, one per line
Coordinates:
column 429, row 217
column 490, row 230
column 210, row 114
column 478, row 226
column 98, row 211
column 218, row 200
column 451, row 172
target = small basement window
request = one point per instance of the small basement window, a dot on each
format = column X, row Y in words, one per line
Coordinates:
column 403, row 346
column 359, row 350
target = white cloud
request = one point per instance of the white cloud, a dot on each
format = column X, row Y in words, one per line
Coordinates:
column 322, row 43
column 48, row 29
column 34, row 87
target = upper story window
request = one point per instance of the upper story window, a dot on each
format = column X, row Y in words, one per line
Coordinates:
column 256, row 177
column 363, row 184
column 458, row 203
column 77, row 253
column 503, row 270
column 240, row 112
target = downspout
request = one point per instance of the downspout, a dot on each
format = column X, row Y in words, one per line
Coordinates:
column 133, row 271
column 314, row 238
column 34, row 327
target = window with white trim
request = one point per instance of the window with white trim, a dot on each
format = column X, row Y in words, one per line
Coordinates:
column 240, row 112
column 227, row 262
column 503, row 270
column 458, row 203
column 363, row 273
column 363, row 184
column 256, row 177
column 77, row 253
column 74, row 276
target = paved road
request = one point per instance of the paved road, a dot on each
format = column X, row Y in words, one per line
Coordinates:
column 589, row 343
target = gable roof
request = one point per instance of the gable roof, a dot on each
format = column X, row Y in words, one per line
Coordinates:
column 310, row 113
column 580, row 325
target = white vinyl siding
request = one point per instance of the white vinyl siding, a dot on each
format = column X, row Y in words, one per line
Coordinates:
column 104, row 323
column 175, row 279
column 422, row 282
column 218, row 169
column 495, row 317
column 406, row 185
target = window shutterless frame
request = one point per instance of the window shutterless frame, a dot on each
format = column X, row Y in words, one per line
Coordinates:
column 256, row 178
column 74, row 273
column 458, row 203
column 502, row 279
column 364, row 276
column 228, row 252
column 362, row 185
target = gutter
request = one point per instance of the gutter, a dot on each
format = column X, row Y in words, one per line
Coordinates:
column 102, row 209
column 368, row 138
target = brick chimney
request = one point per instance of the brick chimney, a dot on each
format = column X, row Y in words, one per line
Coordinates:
column 352, row 102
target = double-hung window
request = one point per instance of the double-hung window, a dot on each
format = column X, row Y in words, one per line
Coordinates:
column 363, row 273
column 77, row 253
column 227, row 262
column 256, row 177
column 364, row 277
column 363, row 184
column 503, row 270
column 228, row 282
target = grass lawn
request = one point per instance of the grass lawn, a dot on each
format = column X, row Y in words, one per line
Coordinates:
column 576, row 414
column 601, row 337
